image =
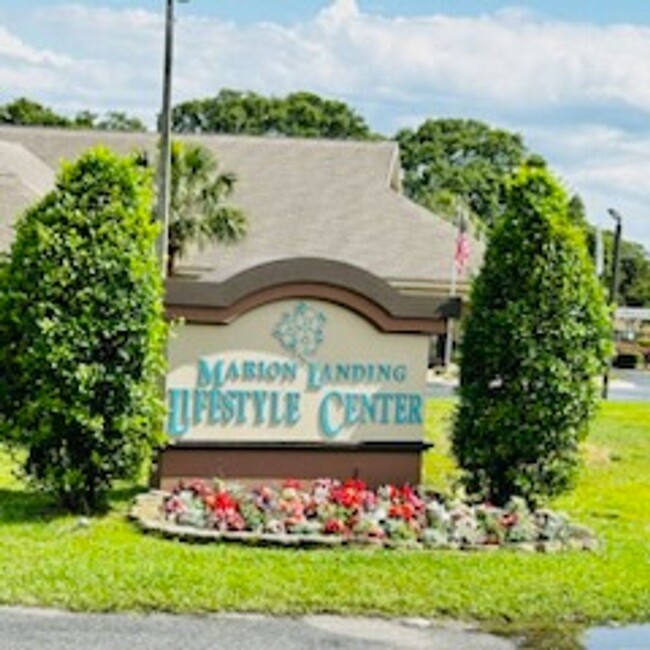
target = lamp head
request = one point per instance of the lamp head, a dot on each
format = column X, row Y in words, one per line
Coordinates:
column 614, row 214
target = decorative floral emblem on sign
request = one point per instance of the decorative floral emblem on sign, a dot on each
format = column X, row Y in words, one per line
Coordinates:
column 301, row 331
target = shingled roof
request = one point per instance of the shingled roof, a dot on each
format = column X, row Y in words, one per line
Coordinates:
column 337, row 200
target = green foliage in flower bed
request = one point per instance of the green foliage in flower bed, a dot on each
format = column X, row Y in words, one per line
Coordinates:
column 51, row 560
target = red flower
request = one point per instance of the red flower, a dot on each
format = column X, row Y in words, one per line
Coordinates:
column 221, row 502
column 355, row 484
column 352, row 494
column 292, row 483
column 408, row 493
column 333, row 527
column 404, row 511
column 393, row 493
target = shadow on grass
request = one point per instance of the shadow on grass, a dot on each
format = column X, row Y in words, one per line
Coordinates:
column 23, row 506
column 20, row 506
column 125, row 494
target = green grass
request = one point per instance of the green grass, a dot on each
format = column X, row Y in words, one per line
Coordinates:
column 48, row 560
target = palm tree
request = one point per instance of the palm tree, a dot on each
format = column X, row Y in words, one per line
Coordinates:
column 198, row 212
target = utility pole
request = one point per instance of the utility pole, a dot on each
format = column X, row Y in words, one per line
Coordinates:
column 164, row 164
column 613, row 288
column 164, row 129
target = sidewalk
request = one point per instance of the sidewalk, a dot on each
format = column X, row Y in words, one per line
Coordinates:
column 35, row 629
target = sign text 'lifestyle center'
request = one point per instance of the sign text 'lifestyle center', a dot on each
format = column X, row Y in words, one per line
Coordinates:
column 222, row 396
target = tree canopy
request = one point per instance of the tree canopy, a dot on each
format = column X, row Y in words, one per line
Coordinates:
column 26, row 112
column 114, row 121
column 634, row 269
column 301, row 114
column 460, row 158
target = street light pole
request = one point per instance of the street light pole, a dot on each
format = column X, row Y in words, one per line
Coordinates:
column 164, row 171
column 613, row 290
column 613, row 287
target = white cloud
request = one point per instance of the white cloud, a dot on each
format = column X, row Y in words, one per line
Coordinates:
column 608, row 166
column 510, row 58
column 340, row 12
column 104, row 60
column 14, row 50
column 487, row 65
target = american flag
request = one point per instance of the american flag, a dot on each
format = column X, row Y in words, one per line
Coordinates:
column 461, row 255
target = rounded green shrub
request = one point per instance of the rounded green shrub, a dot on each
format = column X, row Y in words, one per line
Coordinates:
column 536, row 337
column 82, row 332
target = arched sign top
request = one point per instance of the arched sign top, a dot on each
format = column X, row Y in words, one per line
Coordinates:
column 301, row 278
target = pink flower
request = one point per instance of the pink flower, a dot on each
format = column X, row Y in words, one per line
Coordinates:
column 174, row 505
column 510, row 519
column 199, row 487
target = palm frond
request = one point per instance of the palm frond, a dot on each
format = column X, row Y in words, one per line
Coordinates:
column 197, row 210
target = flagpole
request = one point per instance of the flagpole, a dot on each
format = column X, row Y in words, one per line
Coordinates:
column 449, row 341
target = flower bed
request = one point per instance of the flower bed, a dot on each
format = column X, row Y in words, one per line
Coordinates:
column 329, row 512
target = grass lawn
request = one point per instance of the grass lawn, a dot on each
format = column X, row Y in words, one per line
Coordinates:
column 49, row 560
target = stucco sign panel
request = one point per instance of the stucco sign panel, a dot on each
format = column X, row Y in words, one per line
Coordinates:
column 295, row 371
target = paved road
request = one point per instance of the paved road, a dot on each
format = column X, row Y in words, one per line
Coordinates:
column 630, row 386
column 38, row 629
column 625, row 386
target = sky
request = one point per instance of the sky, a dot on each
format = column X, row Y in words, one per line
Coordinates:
column 571, row 76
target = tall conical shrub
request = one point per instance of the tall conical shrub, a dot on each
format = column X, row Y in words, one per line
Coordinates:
column 536, row 337
column 82, row 332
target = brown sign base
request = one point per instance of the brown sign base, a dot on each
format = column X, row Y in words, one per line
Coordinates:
column 375, row 463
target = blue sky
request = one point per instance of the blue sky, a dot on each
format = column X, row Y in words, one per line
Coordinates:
column 572, row 76
column 288, row 11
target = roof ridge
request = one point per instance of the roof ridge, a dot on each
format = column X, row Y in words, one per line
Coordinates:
column 382, row 143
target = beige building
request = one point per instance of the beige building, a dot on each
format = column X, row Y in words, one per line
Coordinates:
column 336, row 200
